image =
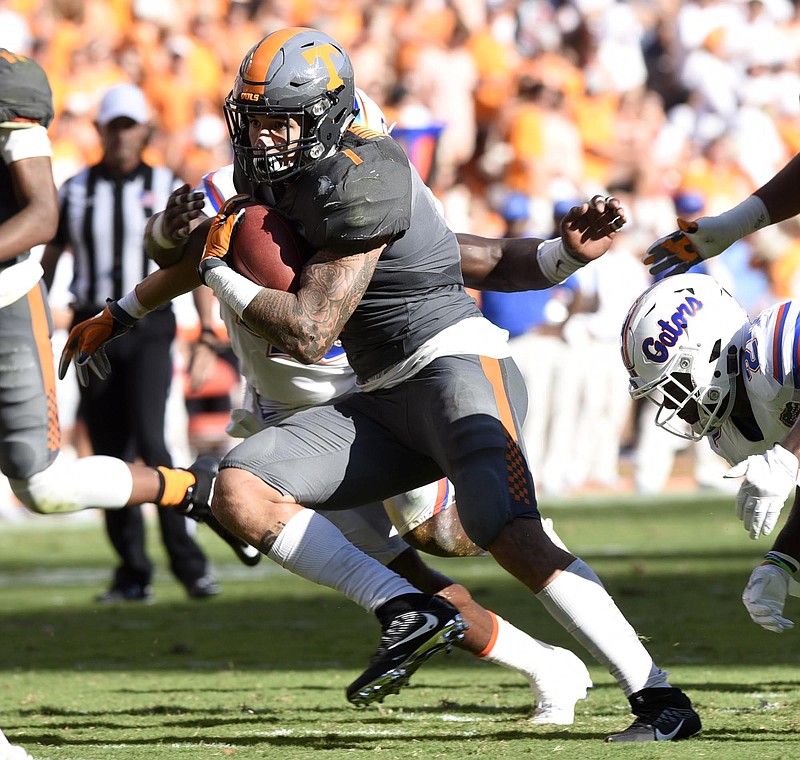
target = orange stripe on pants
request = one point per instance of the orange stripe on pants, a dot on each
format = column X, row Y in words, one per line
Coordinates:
column 519, row 478
column 44, row 348
column 491, row 368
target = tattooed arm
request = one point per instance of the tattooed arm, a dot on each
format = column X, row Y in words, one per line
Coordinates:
column 306, row 324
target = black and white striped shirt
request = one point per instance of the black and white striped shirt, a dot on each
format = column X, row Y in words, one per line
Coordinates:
column 102, row 219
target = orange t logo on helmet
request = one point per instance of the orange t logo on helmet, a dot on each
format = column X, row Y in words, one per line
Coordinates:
column 324, row 53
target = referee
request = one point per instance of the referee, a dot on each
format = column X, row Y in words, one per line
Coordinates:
column 103, row 211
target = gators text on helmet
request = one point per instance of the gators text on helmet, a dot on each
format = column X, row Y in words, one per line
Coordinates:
column 680, row 344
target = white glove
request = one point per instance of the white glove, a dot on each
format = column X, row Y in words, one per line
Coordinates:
column 766, row 592
column 703, row 238
column 769, row 479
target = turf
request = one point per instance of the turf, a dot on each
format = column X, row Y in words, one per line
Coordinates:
column 260, row 671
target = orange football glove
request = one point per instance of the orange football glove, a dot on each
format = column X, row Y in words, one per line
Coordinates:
column 220, row 234
column 705, row 237
column 674, row 253
column 86, row 343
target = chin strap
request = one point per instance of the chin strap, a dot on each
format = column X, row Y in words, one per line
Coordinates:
column 733, row 369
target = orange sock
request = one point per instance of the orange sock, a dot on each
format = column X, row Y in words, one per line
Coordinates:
column 492, row 638
column 176, row 484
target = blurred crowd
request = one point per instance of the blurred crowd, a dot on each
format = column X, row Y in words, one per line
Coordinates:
column 512, row 110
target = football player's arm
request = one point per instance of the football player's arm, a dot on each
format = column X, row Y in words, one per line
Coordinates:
column 85, row 345
column 307, row 324
column 708, row 236
column 161, row 286
column 780, row 194
column 37, row 220
column 513, row 264
column 304, row 324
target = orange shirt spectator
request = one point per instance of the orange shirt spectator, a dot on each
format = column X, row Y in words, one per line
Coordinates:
column 170, row 91
column 595, row 117
column 496, row 62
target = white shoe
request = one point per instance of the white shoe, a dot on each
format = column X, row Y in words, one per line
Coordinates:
column 555, row 695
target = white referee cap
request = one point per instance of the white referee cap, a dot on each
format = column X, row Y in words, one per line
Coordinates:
column 123, row 100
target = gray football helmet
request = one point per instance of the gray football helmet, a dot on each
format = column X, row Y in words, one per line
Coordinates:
column 292, row 73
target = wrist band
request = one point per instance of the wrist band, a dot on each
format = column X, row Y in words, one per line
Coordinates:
column 158, row 235
column 781, row 560
column 556, row 262
column 750, row 215
column 132, row 306
column 716, row 233
column 232, row 288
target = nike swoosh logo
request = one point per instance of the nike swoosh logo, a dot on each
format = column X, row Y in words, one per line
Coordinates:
column 670, row 736
column 431, row 621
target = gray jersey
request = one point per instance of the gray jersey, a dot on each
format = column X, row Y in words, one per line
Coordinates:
column 399, row 313
column 368, row 191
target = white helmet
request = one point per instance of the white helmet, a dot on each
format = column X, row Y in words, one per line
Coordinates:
column 369, row 114
column 680, row 344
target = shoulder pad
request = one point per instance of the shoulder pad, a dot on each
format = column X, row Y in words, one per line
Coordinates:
column 358, row 196
column 25, row 93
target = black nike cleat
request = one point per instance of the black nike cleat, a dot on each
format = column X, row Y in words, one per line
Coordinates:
column 197, row 505
column 662, row 715
column 415, row 627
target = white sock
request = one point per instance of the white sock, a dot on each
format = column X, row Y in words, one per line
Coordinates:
column 314, row 548
column 71, row 485
column 516, row 650
column 577, row 600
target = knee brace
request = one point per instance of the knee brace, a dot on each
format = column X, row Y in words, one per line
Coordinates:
column 73, row 485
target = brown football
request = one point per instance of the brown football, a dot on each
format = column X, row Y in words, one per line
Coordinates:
column 267, row 249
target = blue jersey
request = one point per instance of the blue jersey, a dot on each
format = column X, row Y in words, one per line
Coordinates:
column 771, row 374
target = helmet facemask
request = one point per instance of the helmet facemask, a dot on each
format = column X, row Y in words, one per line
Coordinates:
column 685, row 408
column 283, row 161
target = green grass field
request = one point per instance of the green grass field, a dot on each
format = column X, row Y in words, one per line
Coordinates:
column 260, row 671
